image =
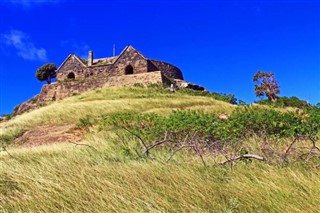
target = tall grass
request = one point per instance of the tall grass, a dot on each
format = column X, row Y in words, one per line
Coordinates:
column 68, row 179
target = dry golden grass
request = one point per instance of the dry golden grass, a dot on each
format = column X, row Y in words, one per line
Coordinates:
column 65, row 178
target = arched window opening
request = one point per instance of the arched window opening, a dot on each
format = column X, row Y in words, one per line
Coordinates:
column 129, row 70
column 71, row 75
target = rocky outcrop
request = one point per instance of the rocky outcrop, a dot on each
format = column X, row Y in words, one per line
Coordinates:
column 184, row 84
column 26, row 106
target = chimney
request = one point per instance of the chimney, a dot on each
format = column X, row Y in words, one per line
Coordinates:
column 90, row 58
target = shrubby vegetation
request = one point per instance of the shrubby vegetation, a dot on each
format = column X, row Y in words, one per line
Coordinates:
column 202, row 131
column 244, row 122
column 228, row 98
column 287, row 102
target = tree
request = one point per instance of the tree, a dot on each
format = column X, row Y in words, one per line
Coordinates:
column 266, row 85
column 46, row 73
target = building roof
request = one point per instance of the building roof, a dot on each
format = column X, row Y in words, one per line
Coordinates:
column 105, row 61
column 69, row 56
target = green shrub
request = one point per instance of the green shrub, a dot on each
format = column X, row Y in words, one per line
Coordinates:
column 244, row 122
column 287, row 102
column 156, row 86
column 139, row 85
column 85, row 122
column 229, row 98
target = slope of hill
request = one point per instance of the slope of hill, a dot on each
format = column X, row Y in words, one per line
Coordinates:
column 53, row 165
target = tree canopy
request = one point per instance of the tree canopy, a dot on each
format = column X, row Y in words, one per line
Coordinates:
column 266, row 85
column 46, row 72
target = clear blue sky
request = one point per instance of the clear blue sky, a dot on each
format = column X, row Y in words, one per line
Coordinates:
column 218, row 44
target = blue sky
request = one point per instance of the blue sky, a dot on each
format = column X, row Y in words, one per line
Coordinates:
column 218, row 44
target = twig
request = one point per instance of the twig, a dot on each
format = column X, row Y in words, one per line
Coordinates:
column 177, row 150
column 313, row 143
column 246, row 156
column 83, row 144
column 157, row 143
column 289, row 147
column 137, row 136
column 195, row 147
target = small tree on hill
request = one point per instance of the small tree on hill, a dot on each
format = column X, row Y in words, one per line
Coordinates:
column 46, row 73
column 266, row 85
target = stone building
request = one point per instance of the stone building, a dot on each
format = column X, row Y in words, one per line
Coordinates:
column 76, row 75
column 129, row 62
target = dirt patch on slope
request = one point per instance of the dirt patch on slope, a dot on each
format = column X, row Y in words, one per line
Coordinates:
column 50, row 134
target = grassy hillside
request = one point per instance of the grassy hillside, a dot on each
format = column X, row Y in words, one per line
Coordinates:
column 112, row 100
column 101, row 175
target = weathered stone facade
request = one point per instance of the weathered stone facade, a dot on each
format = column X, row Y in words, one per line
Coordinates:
column 76, row 75
column 58, row 91
column 61, row 90
column 130, row 61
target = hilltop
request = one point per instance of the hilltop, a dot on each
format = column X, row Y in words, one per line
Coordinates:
column 82, row 154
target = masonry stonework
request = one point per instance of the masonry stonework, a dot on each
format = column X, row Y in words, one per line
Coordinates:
column 76, row 75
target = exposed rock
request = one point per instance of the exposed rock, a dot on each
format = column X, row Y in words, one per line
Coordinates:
column 26, row 106
column 184, row 84
column 50, row 134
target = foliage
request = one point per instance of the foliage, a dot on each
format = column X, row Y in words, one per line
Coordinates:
column 229, row 98
column 266, row 85
column 287, row 102
column 158, row 86
column 139, row 85
column 46, row 72
column 85, row 122
column 244, row 122
column 207, row 134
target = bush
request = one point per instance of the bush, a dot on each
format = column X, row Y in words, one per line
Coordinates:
column 244, row 122
column 85, row 122
column 287, row 102
column 229, row 98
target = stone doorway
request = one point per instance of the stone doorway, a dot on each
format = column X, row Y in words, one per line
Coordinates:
column 71, row 75
column 129, row 70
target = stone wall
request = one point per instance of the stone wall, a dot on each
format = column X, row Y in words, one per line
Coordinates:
column 168, row 69
column 144, row 79
column 61, row 90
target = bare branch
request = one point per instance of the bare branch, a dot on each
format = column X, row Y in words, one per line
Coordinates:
column 137, row 136
column 177, row 150
column 83, row 144
column 289, row 147
column 246, row 156
column 195, row 147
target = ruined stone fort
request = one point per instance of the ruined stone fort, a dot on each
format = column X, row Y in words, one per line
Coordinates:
column 76, row 75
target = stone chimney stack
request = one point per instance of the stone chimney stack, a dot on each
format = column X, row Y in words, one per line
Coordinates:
column 90, row 58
